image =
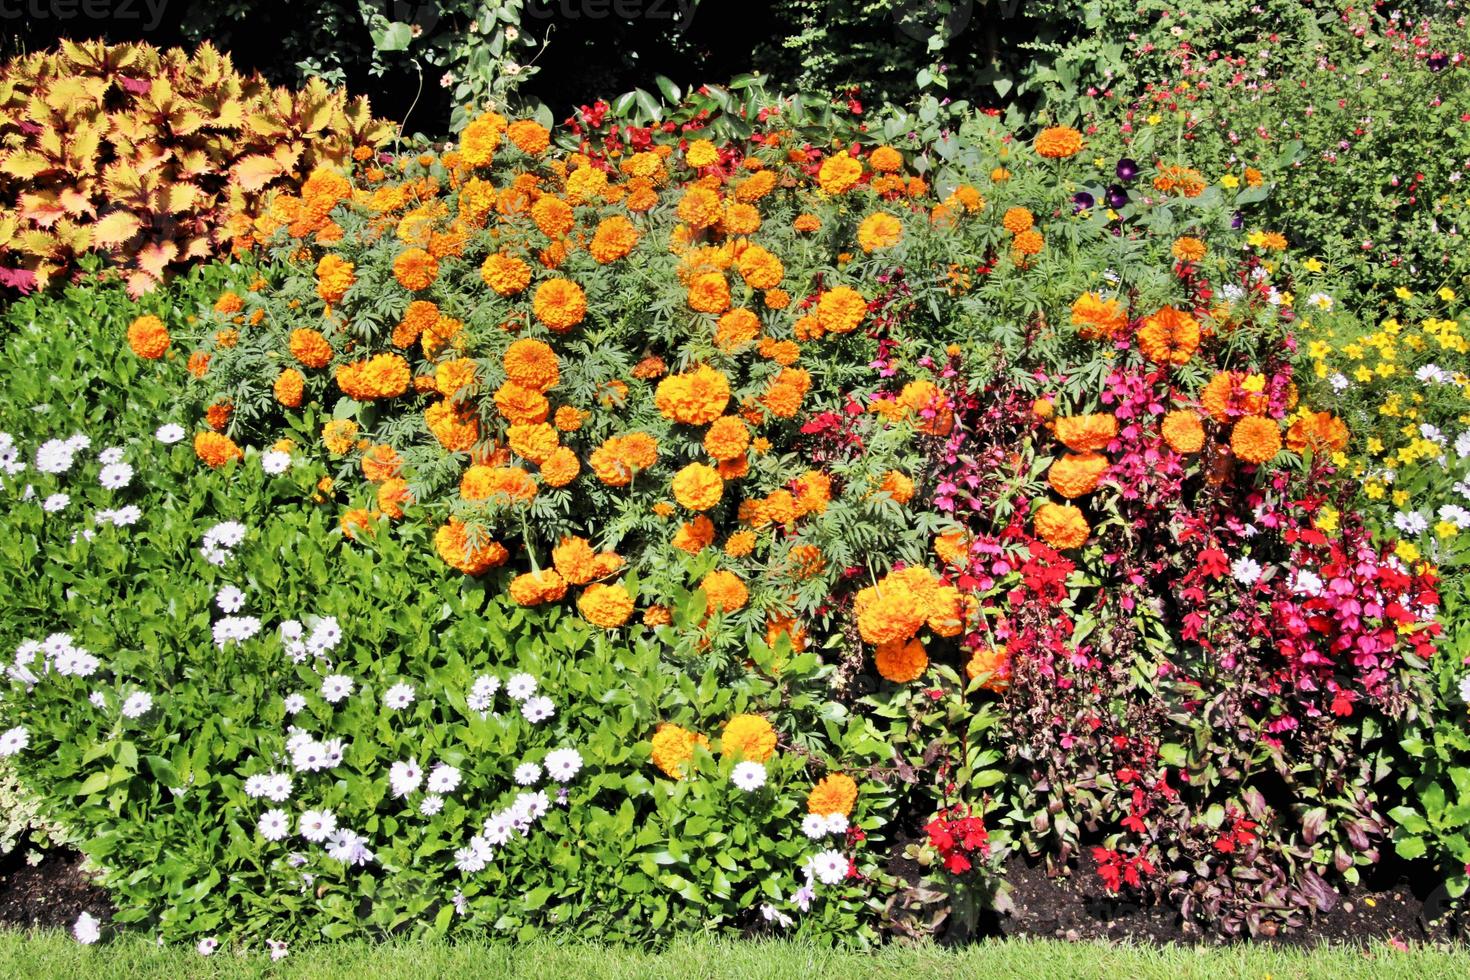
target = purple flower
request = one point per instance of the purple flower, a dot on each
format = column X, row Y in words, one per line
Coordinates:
column 1082, row 200
column 1127, row 169
column 1117, row 197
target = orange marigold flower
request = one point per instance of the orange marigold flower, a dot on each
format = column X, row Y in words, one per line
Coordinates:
column 776, row 299
column 310, row 347
column 289, row 387
column 658, row 616
column 787, row 389
column 617, row 460
column 1017, row 220
column 560, row 304
column 517, row 403
column 698, row 486
column 380, row 376
column 885, row 160
column 725, row 592
column 728, row 438
column 505, row 273
column 650, row 367
column 1029, row 242
column 695, row 397
column 1097, row 318
column 841, row 309
column 740, row 544
column 1061, row 525
column 901, row 661
column 607, row 606
column 1170, row 336
column 420, row 316
column 229, row 302
column 392, row 496
column 218, row 415
column 454, row 375
column 1183, row 431
column 839, row 173
column 1077, row 474
column 699, row 207
column 888, row 612
column 950, row 611
column 334, row 276
column 879, row 230
column 532, row 364
column 701, row 153
column 898, row 486
column 452, row 542
column 759, row 268
column 529, row 136
column 673, row 749
column 953, row 548
column 199, row 363
column 1187, row 248
column 928, row 406
column 216, row 450
column 1255, row 439
column 569, row 419
column 1319, row 432
column 813, row 493
column 615, row 237
column 560, row 467
column 479, row 139
column 740, row 219
column 806, row 223
column 574, row 560
column 835, row 793
column 695, row 536
column 535, row 588
column 380, row 463
column 454, row 424
column 994, row 664
column 735, row 329
column 1186, row 180
column 1058, row 142
column 415, row 269
column 553, row 216
column 1087, row 433
column 148, row 337
column 499, row 484
column 749, row 737
column 709, row 292
column 535, row 441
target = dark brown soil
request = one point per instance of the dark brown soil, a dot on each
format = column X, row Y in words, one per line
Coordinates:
column 50, row 894
column 1075, row 906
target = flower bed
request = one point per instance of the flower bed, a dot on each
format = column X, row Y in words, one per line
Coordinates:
column 745, row 537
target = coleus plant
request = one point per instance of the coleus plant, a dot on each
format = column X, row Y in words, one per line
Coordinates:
column 140, row 155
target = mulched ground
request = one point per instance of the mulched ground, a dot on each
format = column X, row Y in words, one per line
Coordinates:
column 50, row 894
column 1391, row 906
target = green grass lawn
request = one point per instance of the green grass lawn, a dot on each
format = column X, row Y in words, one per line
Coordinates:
column 56, row 955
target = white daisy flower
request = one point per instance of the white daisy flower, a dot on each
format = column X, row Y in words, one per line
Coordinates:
column 814, row 825
column 115, row 476
column 443, row 779
column 54, row 456
column 520, row 686
column 207, row 946
column 431, row 804
column 86, row 930
column 563, row 764
column 169, row 434
column 749, row 776
column 398, row 697
column 274, row 825
column 13, row 741
column 350, row 848
column 335, row 687
column 137, row 704
column 538, row 709
column 229, row 599
column 55, row 503
column 294, row 703
column 318, row 825
column 829, row 867
column 527, row 773
column 274, row 462
column 1246, row 571
column 404, row 777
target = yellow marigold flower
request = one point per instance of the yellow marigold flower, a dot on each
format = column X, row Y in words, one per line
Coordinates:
column 698, row 486
column 673, row 749
column 339, row 435
column 748, row 737
column 529, row 136
column 615, row 238
column 879, row 230
column 607, row 606
column 701, row 153
column 335, row 275
column 1077, row 474
column 839, row 173
column 478, row 141
column 841, row 309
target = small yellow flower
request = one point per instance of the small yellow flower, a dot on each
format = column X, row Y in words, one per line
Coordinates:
column 1446, row 529
column 1155, row 119
column 1407, row 551
column 1401, row 498
column 1447, row 294
column 1312, row 265
column 1327, row 519
column 1230, row 180
column 1403, row 292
